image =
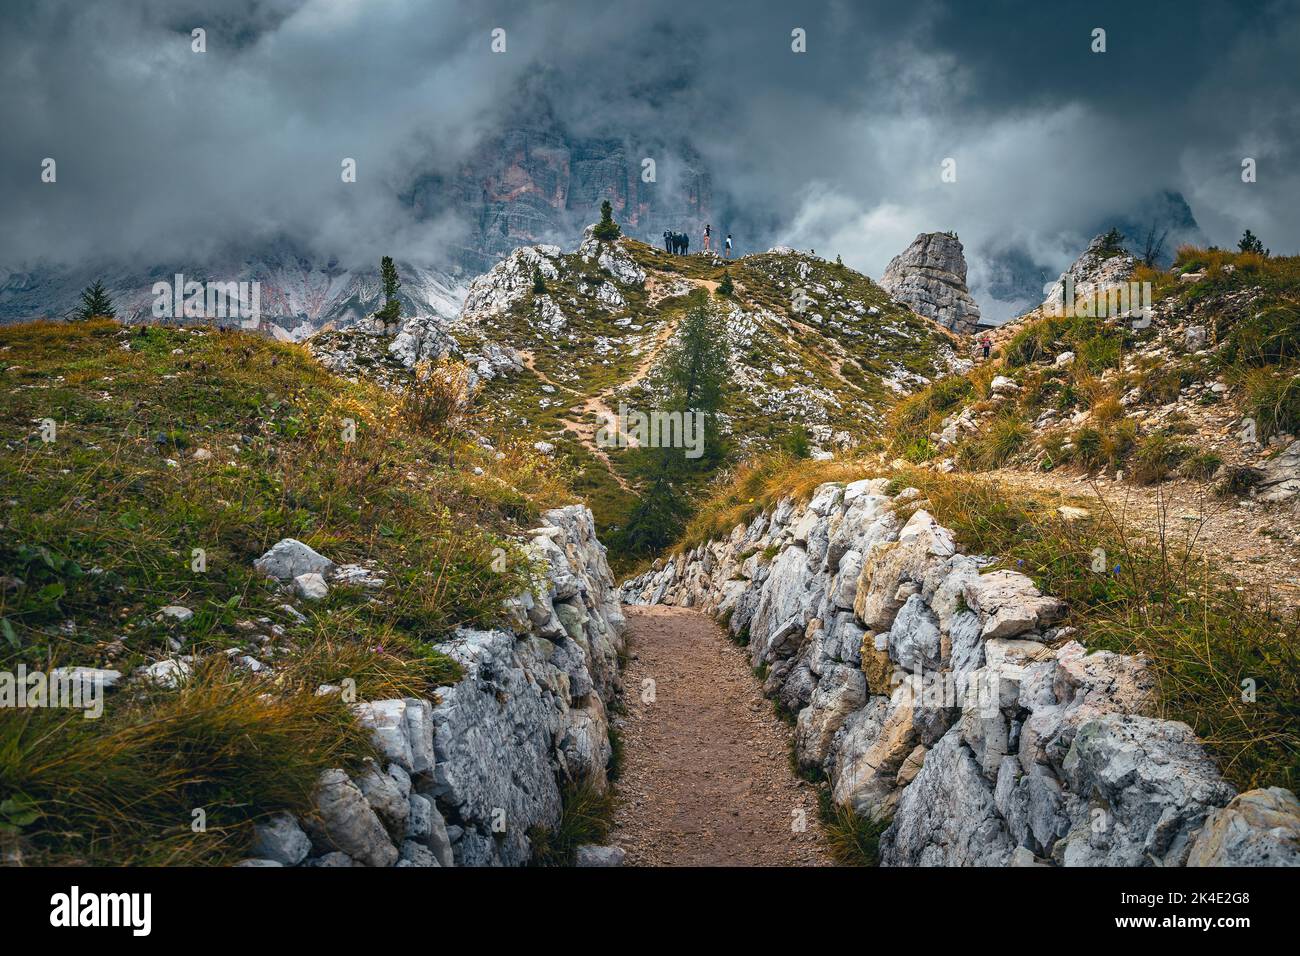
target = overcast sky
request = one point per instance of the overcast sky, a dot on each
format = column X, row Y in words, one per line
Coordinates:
column 163, row 151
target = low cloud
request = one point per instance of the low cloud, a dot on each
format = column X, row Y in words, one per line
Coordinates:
column 164, row 152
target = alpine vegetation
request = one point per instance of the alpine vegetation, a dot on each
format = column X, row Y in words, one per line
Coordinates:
column 663, row 435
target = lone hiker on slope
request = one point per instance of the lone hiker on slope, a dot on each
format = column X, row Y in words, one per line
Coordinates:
column 728, row 245
column 986, row 343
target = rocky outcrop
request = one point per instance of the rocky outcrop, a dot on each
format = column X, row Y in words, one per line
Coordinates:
column 1102, row 266
column 1257, row 828
column 945, row 697
column 462, row 778
column 929, row 277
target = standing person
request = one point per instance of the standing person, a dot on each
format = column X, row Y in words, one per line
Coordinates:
column 708, row 231
column 728, row 245
column 668, row 243
column 986, row 343
column 686, row 244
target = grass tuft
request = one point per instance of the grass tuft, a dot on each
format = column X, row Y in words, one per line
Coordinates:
column 585, row 818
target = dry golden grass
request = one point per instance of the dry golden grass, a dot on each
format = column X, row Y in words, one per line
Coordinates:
column 755, row 486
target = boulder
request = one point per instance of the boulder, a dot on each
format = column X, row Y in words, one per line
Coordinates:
column 388, row 795
column 591, row 855
column 289, row 558
column 1141, row 788
column 413, row 853
column 1010, row 604
column 914, row 640
column 947, row 815
column 886, row 567
column 929, row 277
column 85, row 683
column 841, row 691
column 311, row 587
column 402, row 730
column 1280, row 479
column 170, row 672
column 494, row 733
column 875, row 742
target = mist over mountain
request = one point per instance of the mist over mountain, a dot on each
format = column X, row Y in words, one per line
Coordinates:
column 168, row 156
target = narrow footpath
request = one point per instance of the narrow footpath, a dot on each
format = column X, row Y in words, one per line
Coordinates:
column 706, row 777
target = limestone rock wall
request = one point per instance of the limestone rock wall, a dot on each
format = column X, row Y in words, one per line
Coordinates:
column 949, row 700
column 464, row 776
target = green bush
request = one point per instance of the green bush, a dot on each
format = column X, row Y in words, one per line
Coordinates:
column 1269, row 337
column 1202, row 466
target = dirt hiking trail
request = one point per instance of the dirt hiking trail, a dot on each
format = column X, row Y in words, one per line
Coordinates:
column 706, row 778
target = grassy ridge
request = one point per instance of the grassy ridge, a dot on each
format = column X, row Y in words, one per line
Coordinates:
column 100, row 530
column 1250, row 306
column 824, row 363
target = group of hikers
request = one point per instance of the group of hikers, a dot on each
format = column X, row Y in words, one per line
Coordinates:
column 679, row 243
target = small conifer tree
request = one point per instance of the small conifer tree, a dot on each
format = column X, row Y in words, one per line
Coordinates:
column 607, row 229
column 94, row 303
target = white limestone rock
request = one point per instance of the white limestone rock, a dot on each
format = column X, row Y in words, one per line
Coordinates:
column 344, row 821
column 289, row 558
column 281, row 839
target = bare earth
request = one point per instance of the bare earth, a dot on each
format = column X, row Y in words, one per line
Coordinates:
column 706, row 778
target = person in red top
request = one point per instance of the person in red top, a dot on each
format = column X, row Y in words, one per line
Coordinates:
column 986, row 343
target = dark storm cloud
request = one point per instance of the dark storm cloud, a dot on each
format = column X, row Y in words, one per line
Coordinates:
column 838, row 148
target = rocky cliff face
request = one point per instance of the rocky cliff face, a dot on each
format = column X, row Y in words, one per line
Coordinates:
column 948, row 700
column 463, row 777
column 929, row 277
column 537, row 182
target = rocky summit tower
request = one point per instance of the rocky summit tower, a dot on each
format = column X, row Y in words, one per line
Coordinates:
column 929, row 277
